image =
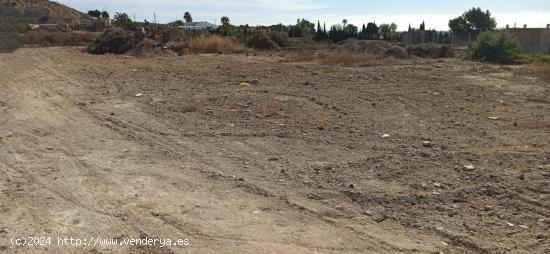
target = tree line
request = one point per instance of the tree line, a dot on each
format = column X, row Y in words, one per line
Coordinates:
column 467, row 26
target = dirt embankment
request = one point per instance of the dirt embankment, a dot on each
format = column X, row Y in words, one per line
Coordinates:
column 446, row 155
column 9, row 40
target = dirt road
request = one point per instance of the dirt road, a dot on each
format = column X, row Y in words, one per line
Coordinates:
column 172, row 147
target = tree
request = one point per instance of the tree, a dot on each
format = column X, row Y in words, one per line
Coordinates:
column 351, row 31
column 460, row 25
column 423, row 26
column 372, row 30
column 474, row 20
column 302, row 28
column 295, row 32
column 123, row 20
column 105, row 15
column 393, row 27
column 94, row 13
column 344, row 22
column 320, row 34
column 225, row 20
column 179, row 23
column 480, row 21
column 226, row 26
column 188, row 18
column 384, row 28
column 306, row 26
column 387, row 30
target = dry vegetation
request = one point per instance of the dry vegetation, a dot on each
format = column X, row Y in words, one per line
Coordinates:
column 343, row 58
column 545, row 72
column 215, row 44
column 44, row 38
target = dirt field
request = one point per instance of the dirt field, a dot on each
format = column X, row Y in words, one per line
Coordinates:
column 310, row 159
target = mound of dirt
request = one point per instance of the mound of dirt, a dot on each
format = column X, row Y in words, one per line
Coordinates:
column 397, row 52
column 375, row 47
column 147, row 48
column 431, row 51
column 118, row 41
column 9, row 40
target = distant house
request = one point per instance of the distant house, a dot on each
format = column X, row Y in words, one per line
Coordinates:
column 532, row 40
column 94, row 24
column 199, row 26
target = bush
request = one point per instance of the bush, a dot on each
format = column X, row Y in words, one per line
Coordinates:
column 215, row 44
column 341, row 58
column 116, row 41
column 281, row 38
column 123, row 21
column 397, row 52
column 260, row 40
column 494, row 47
column 431, row 50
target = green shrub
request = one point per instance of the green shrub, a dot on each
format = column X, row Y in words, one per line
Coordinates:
column 281, row 38
column 494, row 47
column 260, row 40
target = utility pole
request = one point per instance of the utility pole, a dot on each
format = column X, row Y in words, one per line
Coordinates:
column 134, row 17
column 155, row 17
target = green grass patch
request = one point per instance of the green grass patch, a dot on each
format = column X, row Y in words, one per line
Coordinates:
column 534, row 58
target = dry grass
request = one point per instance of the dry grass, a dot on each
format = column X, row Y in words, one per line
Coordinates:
column 545, row 72
column 342, row 58
column 44, row 38
column 215, row 44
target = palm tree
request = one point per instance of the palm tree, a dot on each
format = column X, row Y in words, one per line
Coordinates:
column 345, row 25
column 187, row 17
column 225, row 20
column 225, row 25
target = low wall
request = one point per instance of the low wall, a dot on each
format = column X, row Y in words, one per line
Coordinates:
column 532, row 40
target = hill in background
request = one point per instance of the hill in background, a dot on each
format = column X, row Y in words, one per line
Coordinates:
column 39, row 11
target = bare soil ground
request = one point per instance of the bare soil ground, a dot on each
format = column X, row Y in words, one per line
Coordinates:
column 296, row 163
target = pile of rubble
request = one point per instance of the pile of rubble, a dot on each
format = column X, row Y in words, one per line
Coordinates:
column 390, row 50
column 375, row 47
column 431, row 51
column 116, row 41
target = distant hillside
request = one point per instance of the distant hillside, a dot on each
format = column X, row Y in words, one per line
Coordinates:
column 40, row 11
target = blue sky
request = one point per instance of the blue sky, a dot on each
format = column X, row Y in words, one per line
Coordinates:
column 534, row 13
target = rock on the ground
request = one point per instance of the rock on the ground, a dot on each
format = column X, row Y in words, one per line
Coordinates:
column 469, row 167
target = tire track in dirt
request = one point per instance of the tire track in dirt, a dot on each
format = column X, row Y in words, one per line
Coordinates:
column 85, row 202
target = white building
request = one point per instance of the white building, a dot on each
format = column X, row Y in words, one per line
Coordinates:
column 199, row 26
